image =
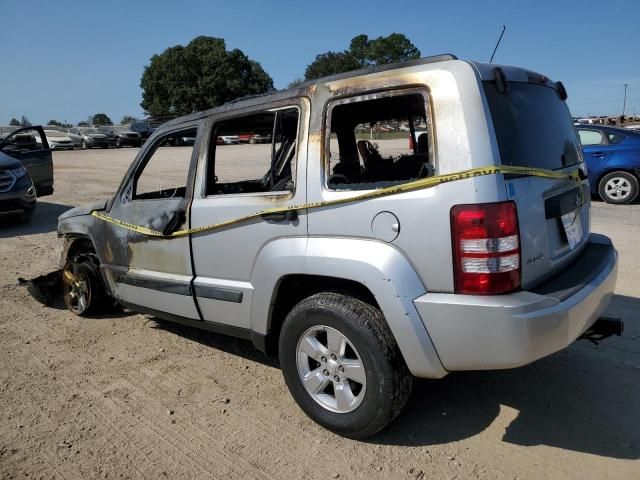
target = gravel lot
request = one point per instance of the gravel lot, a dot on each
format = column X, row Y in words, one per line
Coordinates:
column 129, row 397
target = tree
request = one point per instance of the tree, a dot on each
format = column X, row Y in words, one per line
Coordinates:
column 128, row 120
column 83, row 124
column 331, row 63
column 101, row 119
column 24, row 122
column 201, row 75
column 14, row 122
column 295, row 83
column 363, row 53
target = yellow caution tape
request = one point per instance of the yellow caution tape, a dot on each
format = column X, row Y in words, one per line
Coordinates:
column 420, row 184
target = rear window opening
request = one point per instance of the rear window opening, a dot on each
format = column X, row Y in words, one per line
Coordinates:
column 378, row 141
column 533, row 126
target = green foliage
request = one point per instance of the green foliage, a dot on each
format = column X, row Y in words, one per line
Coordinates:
column 363, row 53
column 56, row 123
column 331, row 63
column 101, row 119
column 128, row 120
column 83, row 124
column 295, row 83
column 202, row 75
column 14, row 122
column 24, row 122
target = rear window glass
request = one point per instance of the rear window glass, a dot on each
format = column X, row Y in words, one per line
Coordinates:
column 615, row 138
column 533, row 126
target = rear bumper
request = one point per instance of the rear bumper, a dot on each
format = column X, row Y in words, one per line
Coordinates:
column 491, row 332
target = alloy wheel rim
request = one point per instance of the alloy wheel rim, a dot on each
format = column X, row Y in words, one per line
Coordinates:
column 618, row 188
column 331, row 369
column 76, row 290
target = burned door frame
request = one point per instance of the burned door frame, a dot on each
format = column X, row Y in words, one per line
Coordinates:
column 153, row 274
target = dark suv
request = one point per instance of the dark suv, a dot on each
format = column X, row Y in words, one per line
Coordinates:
column 145, row 128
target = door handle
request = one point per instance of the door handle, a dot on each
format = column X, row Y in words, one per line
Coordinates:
column 598, row 154
column 288, row 216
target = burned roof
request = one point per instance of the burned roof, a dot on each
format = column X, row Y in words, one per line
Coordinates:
column 277, row 95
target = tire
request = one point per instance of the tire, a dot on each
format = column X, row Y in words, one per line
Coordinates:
column 83, row 145
column 252, row 141
column 374, row 387
column 618, row 188
column 83, row 290
column 118, row 143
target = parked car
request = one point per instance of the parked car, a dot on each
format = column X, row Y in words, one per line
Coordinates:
column 58, row 140
column 260, row 138
column 145, row 128
column 34, row 155
column 6, row 130
column 230, row 139
column 91, row 137
column 254, row 138
column 124, row 136
column 310, row 250
column 17, row 193
column 612, row 156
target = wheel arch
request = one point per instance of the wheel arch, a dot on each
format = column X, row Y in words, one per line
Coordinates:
column 375, row 271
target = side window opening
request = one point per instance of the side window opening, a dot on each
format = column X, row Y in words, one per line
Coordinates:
column 166, row 170
column 253, row 154
column 378, row 142
column 615, row 138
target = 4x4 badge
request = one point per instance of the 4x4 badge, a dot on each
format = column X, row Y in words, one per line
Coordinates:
column 535, row 259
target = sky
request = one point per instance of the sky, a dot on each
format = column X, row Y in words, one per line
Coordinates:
column 68, row 60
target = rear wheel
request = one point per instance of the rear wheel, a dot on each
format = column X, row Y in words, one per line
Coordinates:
column 83, row 291
column 118, row 143
column 342, row 365
column 83, row 145
column 618, row 187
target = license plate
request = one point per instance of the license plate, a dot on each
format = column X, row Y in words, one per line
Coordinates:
column 572, row 228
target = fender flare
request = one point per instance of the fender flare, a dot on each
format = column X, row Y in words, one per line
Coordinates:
column 378, row 266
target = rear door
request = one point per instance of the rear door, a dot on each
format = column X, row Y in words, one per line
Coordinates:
column 30, row 146
column 239, row 180
column 533, row 128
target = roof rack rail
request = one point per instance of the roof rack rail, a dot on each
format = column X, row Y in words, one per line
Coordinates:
column 379, row 68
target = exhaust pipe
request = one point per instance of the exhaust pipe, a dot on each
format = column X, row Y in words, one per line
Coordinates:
column 604, row 327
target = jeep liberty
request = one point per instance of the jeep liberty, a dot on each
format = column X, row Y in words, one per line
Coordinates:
column 359, row 294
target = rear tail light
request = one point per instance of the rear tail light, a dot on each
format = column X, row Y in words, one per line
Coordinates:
column 486, row 248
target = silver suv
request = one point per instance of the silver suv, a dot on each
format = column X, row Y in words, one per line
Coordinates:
column 359, row 254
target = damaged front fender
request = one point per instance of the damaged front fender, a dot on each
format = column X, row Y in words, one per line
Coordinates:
column 85, row 209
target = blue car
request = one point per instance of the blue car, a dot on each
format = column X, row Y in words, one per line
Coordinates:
column 612, row 156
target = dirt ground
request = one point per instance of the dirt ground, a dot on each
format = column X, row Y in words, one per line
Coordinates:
column 130, row 397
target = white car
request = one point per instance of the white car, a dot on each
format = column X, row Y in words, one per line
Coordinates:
column 58, row 140
column 230, row 139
